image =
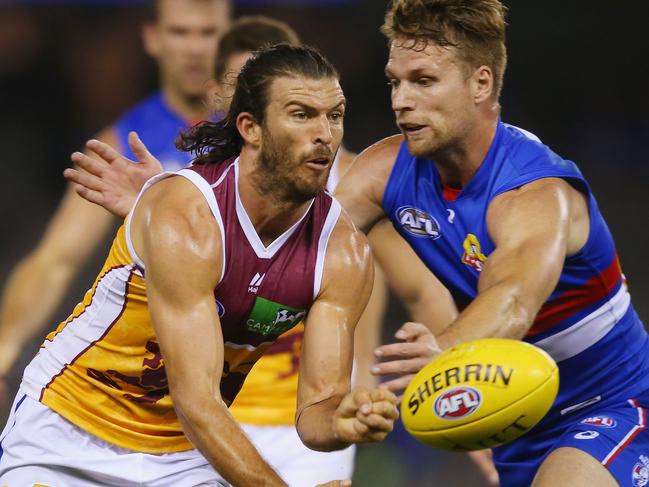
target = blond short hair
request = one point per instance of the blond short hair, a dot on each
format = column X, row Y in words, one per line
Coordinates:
column 476, row 28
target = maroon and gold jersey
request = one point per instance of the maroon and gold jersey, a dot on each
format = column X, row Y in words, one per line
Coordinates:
column 269, row 395
column 102, row 368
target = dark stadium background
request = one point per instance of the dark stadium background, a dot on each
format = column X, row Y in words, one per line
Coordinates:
column 577, row 77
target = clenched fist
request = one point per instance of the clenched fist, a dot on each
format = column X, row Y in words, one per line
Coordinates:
column 365, row 415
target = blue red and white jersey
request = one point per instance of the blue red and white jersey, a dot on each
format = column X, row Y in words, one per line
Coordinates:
column 158, row 126
column 588, row 324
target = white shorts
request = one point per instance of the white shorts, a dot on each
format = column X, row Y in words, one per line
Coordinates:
column 299, row 466
column 39, row 447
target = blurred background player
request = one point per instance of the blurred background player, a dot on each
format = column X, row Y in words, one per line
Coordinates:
column 182, row 37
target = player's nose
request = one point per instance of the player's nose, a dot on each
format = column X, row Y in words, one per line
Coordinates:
column 322, row 131
column 401, row 98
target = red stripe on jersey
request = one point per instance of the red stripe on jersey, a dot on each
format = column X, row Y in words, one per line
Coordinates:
column 450, row 194
column 637, row 429
column 564, row 305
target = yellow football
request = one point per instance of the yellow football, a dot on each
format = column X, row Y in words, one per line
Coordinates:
column 480, row 394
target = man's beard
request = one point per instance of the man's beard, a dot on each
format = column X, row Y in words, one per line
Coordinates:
column 277, row 174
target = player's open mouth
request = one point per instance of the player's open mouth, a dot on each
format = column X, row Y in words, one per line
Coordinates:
column 319, row 163
column 411, row 128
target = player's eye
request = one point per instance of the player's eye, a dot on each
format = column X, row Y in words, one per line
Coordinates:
column 178, row 31
column 336, row 116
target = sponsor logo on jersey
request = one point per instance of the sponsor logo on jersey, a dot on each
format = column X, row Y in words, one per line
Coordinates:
column 271, row 318
column 603, row 421
column 493, row 374
column 640, row 472
column 457, row 403
column 473, row 255
column 586, row 435
column 255, row 282
column 418, row 222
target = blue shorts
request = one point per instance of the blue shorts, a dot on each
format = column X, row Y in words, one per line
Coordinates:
column 616, row 435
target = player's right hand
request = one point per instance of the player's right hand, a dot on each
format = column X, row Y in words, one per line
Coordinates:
column 337, row 483
column 111, row 180
column 365, row 416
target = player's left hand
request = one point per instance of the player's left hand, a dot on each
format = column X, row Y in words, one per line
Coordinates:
column 365, row 415
column 110, row 179
column 416, row 349
column 336, row 483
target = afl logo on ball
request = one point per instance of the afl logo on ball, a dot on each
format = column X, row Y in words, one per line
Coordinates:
column 457, row 403
column 418, row 223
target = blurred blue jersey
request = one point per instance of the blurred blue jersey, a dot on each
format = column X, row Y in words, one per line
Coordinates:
column 158, row 127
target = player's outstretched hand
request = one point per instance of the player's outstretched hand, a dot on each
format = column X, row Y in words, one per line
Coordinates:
column 365, row 415
column 111, row 180
column 417, row 348
column 337, row 483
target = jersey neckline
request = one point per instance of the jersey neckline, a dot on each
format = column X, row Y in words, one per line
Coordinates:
column 262, row 251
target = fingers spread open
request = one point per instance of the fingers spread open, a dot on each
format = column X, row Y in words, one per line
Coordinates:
column 139, row 149
column 89, row 164
column 83, row 179
column 90, row 195
column 103, row 150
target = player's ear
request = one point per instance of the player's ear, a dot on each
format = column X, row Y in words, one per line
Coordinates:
column 249, row 129
column 482, row 84
column 150, row 39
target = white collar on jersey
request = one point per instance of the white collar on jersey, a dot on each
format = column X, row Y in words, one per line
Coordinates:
column 260, row 249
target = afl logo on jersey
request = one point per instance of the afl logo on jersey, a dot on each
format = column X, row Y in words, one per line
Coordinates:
column 418, row 223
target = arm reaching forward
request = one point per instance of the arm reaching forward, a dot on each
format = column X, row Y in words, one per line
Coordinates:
column 329, row 416
column 534, row 229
